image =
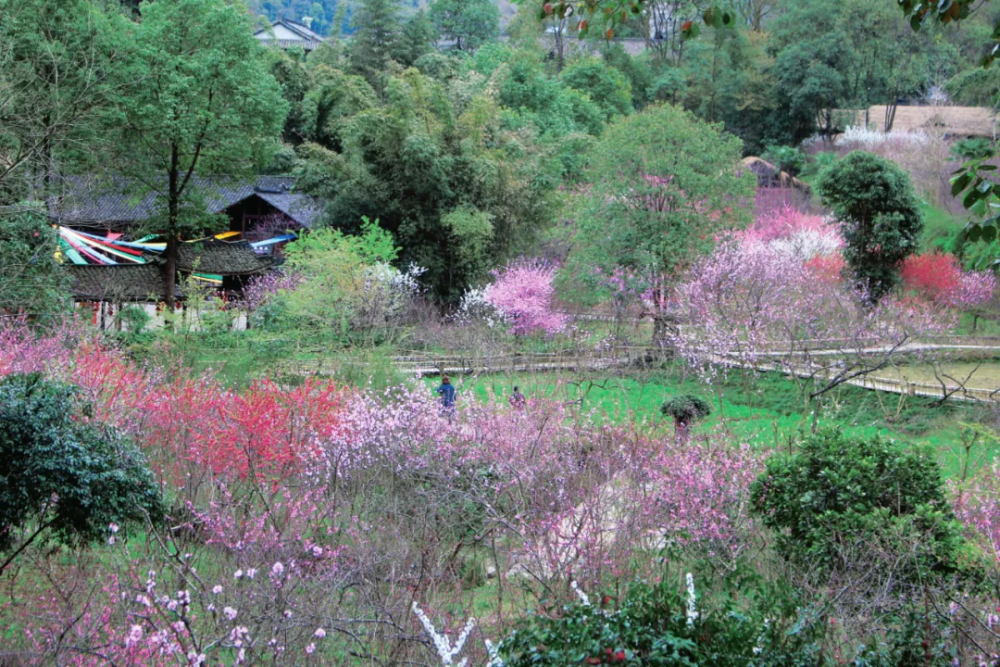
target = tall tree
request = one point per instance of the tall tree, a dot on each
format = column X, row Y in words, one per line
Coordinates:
column 207, row 104
column 55, row 61
column 471, row 23
column 881, row 221
column 377, row 28
column 665, row 186
column 416, row 39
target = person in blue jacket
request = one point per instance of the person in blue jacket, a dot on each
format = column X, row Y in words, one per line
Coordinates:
column 447, row 393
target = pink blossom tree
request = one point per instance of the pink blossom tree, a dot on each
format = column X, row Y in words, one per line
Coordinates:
column 523, row 292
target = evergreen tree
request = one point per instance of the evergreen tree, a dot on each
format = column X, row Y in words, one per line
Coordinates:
column 417, row 39
column 377, row 31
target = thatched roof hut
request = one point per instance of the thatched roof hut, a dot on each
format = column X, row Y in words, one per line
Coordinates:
column 952, row 121
column 769, row 176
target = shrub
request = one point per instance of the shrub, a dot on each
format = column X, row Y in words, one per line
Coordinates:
column 786, row 158
column 662, row 625
column 523, row 292
column 62, row 471
column 685, row 409
column 838, row 492
column 973, row 148
column 939, row 277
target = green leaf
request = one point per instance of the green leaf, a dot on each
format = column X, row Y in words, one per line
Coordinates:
column 979, row 208
column 960, row 183
column 973, row 233
column 989, row 234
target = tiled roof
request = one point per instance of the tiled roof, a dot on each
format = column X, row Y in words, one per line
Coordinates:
column 307, row 39
column 303, row 210
column 222, row 258
column 124, row 282
column 121, row 202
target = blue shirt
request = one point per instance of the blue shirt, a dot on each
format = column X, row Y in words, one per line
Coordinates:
column 447, row 392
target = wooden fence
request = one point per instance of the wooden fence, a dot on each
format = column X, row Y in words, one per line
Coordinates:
column 420, row 363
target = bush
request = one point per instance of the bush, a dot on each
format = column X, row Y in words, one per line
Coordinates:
column 61, row 471
column 973, row 148
column 786, row 158
column 838, row 493
column 743, row 622
column 685, row 409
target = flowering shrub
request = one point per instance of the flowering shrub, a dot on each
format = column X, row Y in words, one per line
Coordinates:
column 523, row 292
column 744, row 302
column 869, row 139
column 939, row 277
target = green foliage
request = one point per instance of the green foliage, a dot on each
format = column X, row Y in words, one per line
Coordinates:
column 973, row 148
column 636, row 69
column 32, row 281
column 470, row 23
column 197, row 96
column 686, row 408
column 377, row 30
column 416, row 40
column 741, row 620
column 62, row 471
column 605, row 85
column 665, row 186
column 471, row 233
column 431, row 148
column 339, row 291
column 837, row 493
column 55, row 61
column 844, row 55
column 880, row 215
column 785, row 158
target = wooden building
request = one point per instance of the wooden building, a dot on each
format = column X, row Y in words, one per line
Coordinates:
column 285, row 34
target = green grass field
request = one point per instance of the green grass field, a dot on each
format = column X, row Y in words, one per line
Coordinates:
column 765, row 411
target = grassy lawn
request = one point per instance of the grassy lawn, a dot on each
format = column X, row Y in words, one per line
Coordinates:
column 766, row 412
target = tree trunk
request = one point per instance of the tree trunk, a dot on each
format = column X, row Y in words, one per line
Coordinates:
column 680, row 431
column 173, row 207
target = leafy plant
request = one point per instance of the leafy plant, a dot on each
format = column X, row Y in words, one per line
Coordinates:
column 786, row 158
column 881, row 220
column 838, row 492
column 685, row 409
column 973, row 148
column 741, row 621
column 62, row 472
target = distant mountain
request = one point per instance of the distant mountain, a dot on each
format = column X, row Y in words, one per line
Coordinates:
column 322, row 12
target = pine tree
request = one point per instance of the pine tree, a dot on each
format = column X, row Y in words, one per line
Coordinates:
column 377, row 31
column 417, row 39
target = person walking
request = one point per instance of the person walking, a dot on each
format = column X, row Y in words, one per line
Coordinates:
column 517, row 399
column 447, row 393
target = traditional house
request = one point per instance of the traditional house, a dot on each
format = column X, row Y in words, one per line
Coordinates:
column 99, row 222
column 775, row 187
column 285, row 34
column 254, row 207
